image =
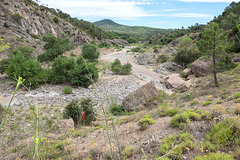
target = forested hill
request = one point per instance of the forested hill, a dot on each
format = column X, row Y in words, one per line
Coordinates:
column 140, row 31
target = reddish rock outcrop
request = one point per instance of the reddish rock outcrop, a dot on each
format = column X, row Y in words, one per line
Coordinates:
column 177, row 83
column 200, row 68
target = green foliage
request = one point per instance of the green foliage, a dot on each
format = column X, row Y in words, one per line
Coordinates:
column 172, row 112
column 24, row 50
column 116, row 109
column 145, row 122
column 219, row 102
column 5, row 24
column 206, row 103
column 128, row 151
column 56, row 20
column 225, row 133
column 67, row 90
column 162, row 110
column 3, row 45
column 171, row 141
column 118, row 68
column 1, row 113
column 90, row 52
column 28, row 2
column 72, row 110
column 236, row 95
column 237, row 100
column 215, row 156
column 4, row 65
column 87, row 106
column 55, row 47
column 28, row 69
column 17, row 17
column 104, row 44
column 77, row 72
column 162, row 58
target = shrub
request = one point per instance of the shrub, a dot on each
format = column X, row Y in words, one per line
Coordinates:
column 237, row 109
column 24, row 50
column 90, row 52
column 5, row 24
column 4, row 65
column 55, row 46
column 118, row 68
column 116, row 110
column 215, row 156
column 87, row 107
column 137, row 49
column 172, row 112
column 219, row 102
column 207, row 103
column 128, row 151
column 236, row 95
column 162, row 58
column 171, row 141
column 67, row 90
column 162, row 110
column 56, row 20
column 72, row 110
column 237, row 100
column 28, row 69
column 225, row 133
column 17, row 17
column 145, row 122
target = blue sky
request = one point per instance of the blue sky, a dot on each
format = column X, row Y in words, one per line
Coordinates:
column 152, row 13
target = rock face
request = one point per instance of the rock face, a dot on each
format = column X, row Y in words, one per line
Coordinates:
column 62, row 126
column 200, row 68
column 116, row 41
column 168, row 68
column 177, row 83
column 136, row 100
column 147, row 59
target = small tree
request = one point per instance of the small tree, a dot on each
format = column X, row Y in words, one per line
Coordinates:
column 25, row 50
column 90, row 52
column 118, row 68
column 213, row 42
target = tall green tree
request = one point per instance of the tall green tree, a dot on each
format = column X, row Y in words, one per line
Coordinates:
column 213, row 44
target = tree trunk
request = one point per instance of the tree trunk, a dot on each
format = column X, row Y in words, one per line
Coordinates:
column 214, row 64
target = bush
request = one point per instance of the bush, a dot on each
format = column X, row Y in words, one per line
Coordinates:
column 162, row 58
column 24, row 50
column 172, row 112
column 171, row 141
column 72, row 110
column 5, row 24
column 17, row 17
column 223, row 134
column 87, row 107
column 67, row 90
column 116, row 110
column 215, row 156
column 56, row 20
column 4, row 63
column 145, row 122
column 207, row 103
column 236, row 95
column 90, row 52
column 118, row 68
column 28, row 69
column 55, row 46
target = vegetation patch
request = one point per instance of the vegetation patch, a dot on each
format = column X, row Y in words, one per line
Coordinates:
column 206, row 103
column 118, row 68
column 116, row 109
column 145, row 122
column 172, row 112
column 67, row 90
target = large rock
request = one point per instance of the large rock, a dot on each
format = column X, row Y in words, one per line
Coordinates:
column 146, row 59
column 63, row 126
column 200, row 68
column 135, row 101
column 168, row 68
column 177, row 83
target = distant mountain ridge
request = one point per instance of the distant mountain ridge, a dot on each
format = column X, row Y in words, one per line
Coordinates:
column 141, row 31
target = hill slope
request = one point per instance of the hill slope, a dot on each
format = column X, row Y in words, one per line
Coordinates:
column 141, row 31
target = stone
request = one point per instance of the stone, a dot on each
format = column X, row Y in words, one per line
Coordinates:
column 177, row 83
column 191, row 77
column 200, row 68
column 236, row 59
column 168, row 68
column 146, row 59
column 187, row 72
column 62, row 126
column 135, row 101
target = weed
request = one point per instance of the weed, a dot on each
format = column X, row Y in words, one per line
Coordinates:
column 237, row 109
column 236, row 95
column 219, row 102
column 128, row 151
column 145, row 122
column 206, row 103
column 67, row 90
column 237, row 100
column 172, row 112
column 215, row 156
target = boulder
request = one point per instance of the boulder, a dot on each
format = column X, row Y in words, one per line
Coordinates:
column 236, row 59
column 146, row 59
column 177, row 83
column 168, row 68
column 187, row 72
column 135, row 101
column 191, row 77
column 200, row 68
column 63, row 126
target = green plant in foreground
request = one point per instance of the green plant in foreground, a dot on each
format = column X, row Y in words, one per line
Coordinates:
column 207, row 103
column 67, row 90
column 145, row 122
column 116, row 110
column 236, row 95
column 215, row 156
column 20, row 81
column 172, row 112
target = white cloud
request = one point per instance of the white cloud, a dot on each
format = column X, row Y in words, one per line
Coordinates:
column 192, row 15
column 227, row 1
column 124, row 9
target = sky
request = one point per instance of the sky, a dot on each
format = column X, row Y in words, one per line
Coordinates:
column 152, row 13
